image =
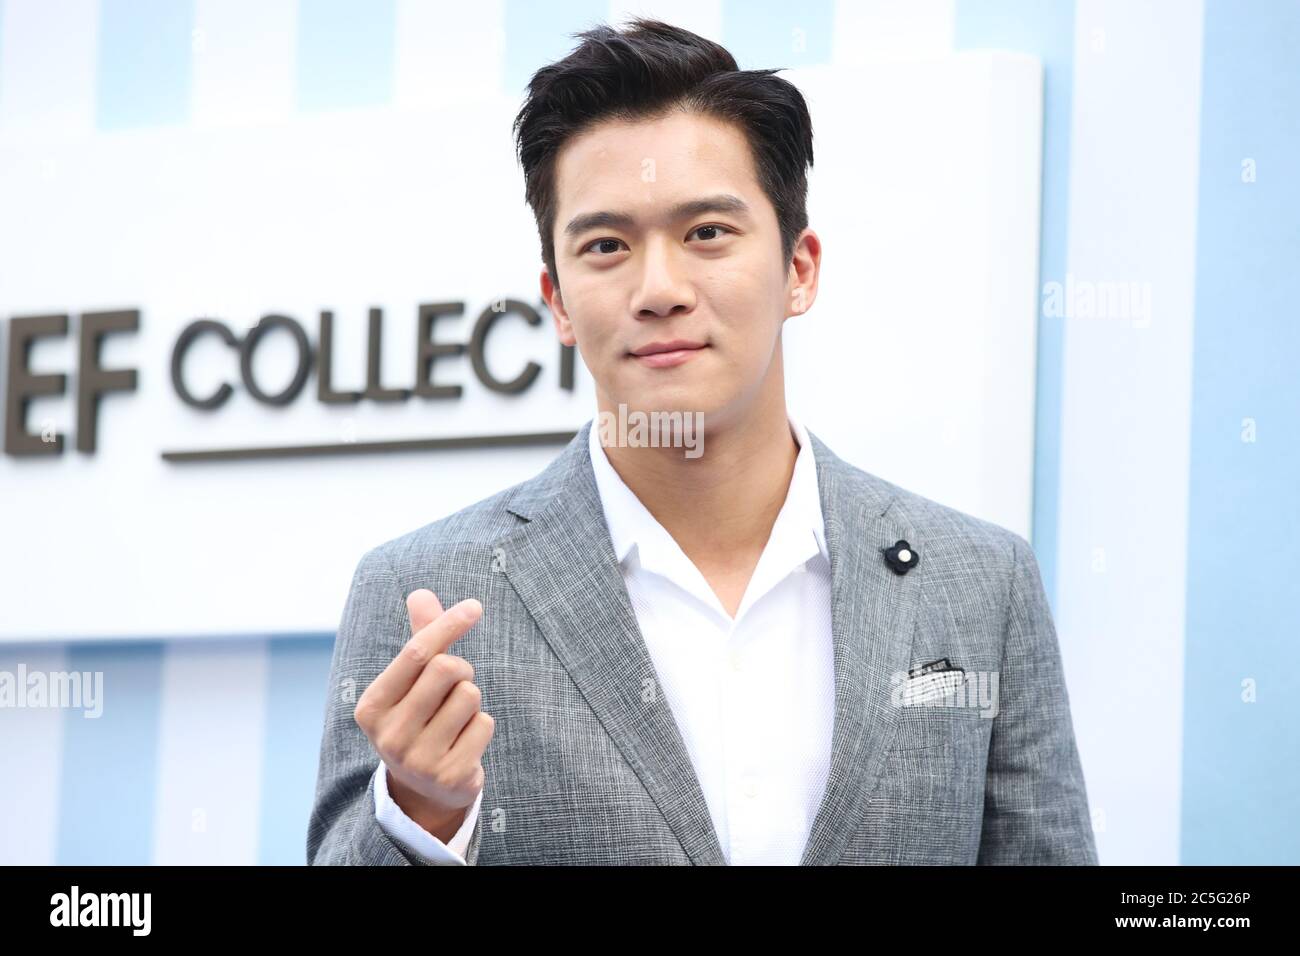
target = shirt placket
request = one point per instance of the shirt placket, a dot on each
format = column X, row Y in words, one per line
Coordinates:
column 740, row 769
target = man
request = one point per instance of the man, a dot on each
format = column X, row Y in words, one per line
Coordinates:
column 754, row 654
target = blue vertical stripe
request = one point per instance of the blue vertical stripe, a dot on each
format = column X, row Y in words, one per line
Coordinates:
column 773, row 34
column 144, row 63
column 110, row 763
column 1047, row 31
column 346, row 53
column 1240, row 785
column 539, row 33
column 297, row 677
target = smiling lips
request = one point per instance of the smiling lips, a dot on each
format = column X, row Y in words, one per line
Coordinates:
column 668, row 354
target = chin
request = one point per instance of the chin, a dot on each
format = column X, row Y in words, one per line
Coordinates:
column 680, row 397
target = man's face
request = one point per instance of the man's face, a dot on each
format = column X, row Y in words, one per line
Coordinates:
column 663, row 234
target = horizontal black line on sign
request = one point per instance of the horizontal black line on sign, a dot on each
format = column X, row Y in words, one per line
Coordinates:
column 370, row 447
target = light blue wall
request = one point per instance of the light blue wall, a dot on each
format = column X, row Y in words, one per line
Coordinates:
column 345, row 53
column 1241, row 787
column 144, row 63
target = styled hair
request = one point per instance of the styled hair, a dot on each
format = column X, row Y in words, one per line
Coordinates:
column 643, row 72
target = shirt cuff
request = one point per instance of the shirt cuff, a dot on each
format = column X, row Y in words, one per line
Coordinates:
column 415, row 838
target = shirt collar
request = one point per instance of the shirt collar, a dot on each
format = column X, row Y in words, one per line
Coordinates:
column 798, row 534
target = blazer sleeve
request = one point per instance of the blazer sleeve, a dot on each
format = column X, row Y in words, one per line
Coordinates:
column 414, row 838
column 1035, row 802
column 343, row 828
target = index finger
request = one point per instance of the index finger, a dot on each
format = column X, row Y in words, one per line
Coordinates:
column 430, row 641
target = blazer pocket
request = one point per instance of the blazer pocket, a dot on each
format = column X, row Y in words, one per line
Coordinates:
column 922, row 727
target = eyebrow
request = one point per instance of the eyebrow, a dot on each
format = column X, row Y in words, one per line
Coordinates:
column 725, row 203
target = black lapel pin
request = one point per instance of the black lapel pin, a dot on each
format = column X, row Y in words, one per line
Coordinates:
column 901, row 558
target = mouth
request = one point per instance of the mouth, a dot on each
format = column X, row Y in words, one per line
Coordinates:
column 667, row 354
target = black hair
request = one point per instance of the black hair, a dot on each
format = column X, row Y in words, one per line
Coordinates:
column 642, row 72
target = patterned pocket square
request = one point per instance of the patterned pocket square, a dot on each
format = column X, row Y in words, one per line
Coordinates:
column 931, row 682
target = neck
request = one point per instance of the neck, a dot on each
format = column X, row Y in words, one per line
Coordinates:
column 720, row 506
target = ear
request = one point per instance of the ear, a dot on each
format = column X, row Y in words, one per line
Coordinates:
column 551, row 296
column 805, row 270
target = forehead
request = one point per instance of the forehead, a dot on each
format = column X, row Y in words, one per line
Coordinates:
column 639, row 165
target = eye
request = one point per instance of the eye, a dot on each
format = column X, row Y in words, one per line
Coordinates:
column 605, row 245
column 712, row 228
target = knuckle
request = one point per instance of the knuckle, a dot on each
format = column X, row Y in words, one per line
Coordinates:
column 470, row 690
column 391, row 747
column 444, row 665
column 446, row 778
column 416, row 652
column 418, row 766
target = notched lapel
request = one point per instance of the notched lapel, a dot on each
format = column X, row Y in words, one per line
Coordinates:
column 873, row 614
column 562, row 564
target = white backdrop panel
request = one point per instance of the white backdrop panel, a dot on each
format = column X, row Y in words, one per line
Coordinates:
column 917, row 362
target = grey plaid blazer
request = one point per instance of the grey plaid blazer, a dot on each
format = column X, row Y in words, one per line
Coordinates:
column 586, row 767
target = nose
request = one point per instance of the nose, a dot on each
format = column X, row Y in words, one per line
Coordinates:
column 664, row 289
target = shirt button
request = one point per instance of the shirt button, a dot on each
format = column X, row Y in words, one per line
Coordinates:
column 751, row 788
column 737, row 662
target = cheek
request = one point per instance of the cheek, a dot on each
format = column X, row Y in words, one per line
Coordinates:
column 744, row 299
column 589, row 307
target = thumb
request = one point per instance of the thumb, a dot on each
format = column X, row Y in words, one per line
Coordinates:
column 422, row 606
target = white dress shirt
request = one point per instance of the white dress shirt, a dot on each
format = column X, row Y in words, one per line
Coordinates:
column 753, row 697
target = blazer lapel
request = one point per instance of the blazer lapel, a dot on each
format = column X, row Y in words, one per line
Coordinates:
column 873, row 611
column 562, row 564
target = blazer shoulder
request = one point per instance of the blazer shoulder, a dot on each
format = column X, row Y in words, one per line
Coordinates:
column 958, row 528
column 949, row 538
column 943, row 533
column 974, row 566
column 472, row 529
